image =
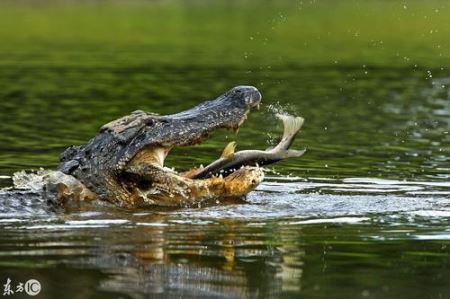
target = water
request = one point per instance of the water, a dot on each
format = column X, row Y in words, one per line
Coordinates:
column 363, row 214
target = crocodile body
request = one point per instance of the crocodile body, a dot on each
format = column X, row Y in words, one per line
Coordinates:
column 124, row 162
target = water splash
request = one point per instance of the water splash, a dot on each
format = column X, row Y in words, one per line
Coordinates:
column 31, row 180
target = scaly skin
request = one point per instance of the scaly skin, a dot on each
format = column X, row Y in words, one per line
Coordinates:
column 168, row 188
column 124, row 162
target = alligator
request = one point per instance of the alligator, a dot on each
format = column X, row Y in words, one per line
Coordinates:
column 124, row 163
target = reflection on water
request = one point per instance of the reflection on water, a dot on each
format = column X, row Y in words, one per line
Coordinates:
column 290, row 237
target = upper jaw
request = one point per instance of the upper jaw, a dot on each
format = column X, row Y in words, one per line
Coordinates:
column 194, row 125
column 227, row 111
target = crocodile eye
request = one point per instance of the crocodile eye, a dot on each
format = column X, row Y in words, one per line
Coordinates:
column 149, row 122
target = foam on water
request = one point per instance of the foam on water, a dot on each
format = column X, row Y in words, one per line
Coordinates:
column 30, row 180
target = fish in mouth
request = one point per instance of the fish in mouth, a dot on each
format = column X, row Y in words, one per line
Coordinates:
column 124, row 162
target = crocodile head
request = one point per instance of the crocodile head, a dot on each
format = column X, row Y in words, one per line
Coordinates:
column 154, row 140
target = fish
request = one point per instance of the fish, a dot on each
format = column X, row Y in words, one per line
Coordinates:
column 230, row 160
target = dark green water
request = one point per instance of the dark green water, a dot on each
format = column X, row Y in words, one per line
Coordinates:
column 363, row 214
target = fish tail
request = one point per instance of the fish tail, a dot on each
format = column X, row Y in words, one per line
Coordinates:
column 292, row 125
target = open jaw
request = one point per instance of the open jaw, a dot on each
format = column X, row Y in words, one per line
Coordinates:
column 193, row 126
column 156, row 154
column 158, row 185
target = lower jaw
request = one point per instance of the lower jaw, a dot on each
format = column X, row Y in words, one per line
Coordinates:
column 193, row 192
